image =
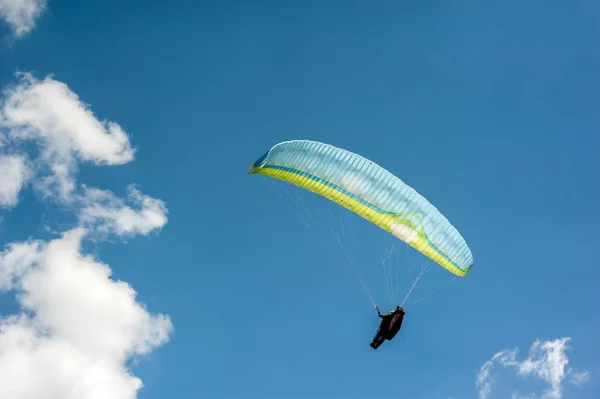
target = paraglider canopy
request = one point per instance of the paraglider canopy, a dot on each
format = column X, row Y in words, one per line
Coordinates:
column 372, row 192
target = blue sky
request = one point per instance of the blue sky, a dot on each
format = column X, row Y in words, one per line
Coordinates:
column 487, row 109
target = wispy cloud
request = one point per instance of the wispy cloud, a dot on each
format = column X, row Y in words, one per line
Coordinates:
column 109, row 214
column 77, row 328
column 21, row 15
column 547, row 360
column 579, row 378
column 14, row 174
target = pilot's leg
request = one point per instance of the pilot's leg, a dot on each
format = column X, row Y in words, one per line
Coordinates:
column 377, row 340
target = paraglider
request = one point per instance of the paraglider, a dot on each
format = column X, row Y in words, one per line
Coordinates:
column 372, row 192
column 389, row 327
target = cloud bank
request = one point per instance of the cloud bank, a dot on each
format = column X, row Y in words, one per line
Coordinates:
column 547, row 360
column 77, row 328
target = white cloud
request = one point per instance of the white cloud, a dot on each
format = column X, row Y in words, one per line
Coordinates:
column 547, row 361
column 578, row 379
column 16, row 259
column 14, row 174
column 111, row 214
column 484, row 378
column 21, row 15
column 78, row 327
column 49, row 114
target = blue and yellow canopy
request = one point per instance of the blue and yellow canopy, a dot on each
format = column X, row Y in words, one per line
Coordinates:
column 372, row 192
